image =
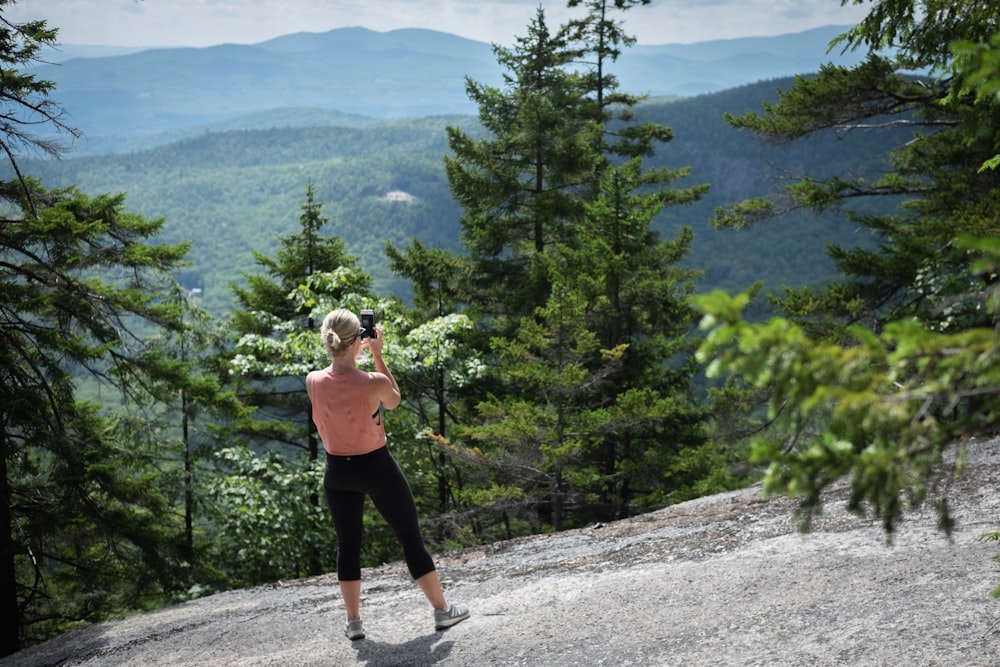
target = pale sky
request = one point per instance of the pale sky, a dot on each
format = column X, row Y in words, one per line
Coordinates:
column 210, row 22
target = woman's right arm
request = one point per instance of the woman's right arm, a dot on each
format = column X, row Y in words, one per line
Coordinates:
column 383, row 387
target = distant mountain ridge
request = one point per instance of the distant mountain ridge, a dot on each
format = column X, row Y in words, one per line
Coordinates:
column 396, row 74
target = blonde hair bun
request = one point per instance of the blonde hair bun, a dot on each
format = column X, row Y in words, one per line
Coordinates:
column 339, row 330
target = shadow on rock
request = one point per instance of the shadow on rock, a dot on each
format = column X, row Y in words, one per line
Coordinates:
column 417, row 652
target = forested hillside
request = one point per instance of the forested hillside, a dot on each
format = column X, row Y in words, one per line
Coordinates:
column 235, row 191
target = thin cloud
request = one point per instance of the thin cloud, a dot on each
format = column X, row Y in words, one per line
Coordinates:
column 209, row 22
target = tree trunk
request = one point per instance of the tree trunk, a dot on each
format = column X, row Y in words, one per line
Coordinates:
column 10, row 635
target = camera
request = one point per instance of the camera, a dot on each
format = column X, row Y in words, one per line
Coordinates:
column 368, row 323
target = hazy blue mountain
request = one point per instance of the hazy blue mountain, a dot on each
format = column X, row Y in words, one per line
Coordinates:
column 281, row 117
column 404, row 73
column 800, row 47
column 715, row 65
column 397, row 74
column 64, row 52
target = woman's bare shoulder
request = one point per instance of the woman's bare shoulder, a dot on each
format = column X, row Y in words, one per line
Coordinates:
column 382, row 387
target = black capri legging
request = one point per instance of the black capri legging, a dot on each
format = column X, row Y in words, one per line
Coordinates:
column 346, row 481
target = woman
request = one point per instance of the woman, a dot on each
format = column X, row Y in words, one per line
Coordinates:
column 346, row 408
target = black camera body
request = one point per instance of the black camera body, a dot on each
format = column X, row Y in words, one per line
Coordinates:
column 368, row 323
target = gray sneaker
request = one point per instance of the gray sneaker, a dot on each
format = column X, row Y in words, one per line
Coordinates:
column 354, row 630
column 452, row 616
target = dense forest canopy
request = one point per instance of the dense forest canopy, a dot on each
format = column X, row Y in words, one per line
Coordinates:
column 236, row 191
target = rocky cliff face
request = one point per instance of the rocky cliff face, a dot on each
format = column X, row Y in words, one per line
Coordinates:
column 724, row 580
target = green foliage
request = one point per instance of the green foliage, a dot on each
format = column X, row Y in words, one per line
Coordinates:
column 268, row 528
column 979, row 65
column 878, row 372
column 834, row 96
column 538, row 428
column 880, row 407
column 436, row 347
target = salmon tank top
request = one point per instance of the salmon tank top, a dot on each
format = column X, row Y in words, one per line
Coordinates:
column 341, row 413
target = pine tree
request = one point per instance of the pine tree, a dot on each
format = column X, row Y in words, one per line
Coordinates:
column 542, row 211
column 538, row 426
column 641, row 289
column 639, row 293
column 935, row 189
column 519, row 186
column 87, row 529
column 87, row 508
